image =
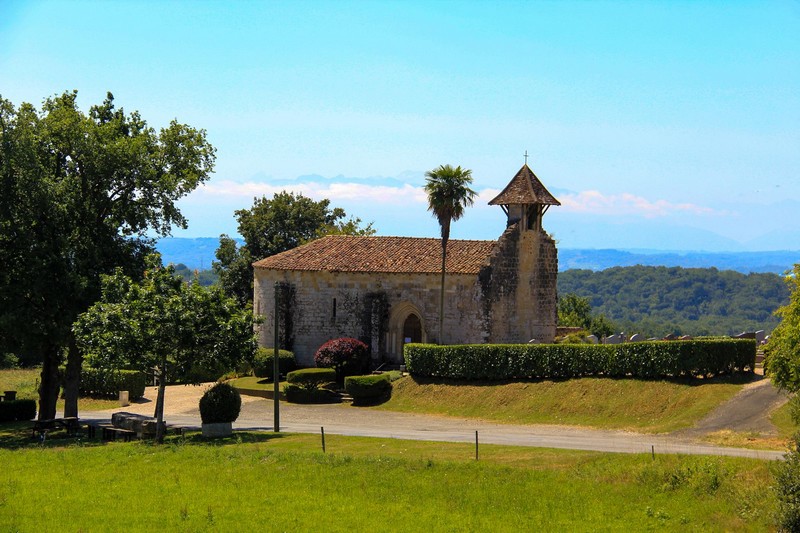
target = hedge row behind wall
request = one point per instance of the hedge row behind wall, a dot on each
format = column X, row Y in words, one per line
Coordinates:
column 17, row 410
column 529, row 361
column 107, row 383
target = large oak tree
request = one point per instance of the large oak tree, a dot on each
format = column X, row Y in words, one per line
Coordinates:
column 79, row 195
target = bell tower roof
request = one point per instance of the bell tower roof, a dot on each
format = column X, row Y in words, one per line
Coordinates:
column 525, row 189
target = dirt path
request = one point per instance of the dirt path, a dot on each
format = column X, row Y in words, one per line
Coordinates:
column 748, row 411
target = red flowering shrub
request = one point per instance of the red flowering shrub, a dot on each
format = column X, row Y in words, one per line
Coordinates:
column 346, row 355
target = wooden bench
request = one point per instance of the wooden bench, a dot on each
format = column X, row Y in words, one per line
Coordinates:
column 41, row 427
column 71, row 423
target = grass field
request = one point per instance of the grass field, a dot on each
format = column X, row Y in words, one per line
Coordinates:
column 263, row 482
column 640, row 405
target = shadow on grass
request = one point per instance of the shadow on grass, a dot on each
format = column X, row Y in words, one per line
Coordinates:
column 238, row 437
column 17, row 435
column 741, row 378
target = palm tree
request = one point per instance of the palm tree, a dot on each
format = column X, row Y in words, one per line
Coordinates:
column 448, row 194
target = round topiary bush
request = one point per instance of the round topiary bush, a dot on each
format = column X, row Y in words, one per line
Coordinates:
column 220, row 403
column 368, row 389
column 346, row 355
column 263, row 365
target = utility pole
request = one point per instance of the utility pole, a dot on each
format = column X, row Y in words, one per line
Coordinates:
column 276, row 376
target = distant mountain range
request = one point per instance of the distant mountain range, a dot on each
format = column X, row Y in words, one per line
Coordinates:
column 199, row 253
column 194, row 253
column 744, row 262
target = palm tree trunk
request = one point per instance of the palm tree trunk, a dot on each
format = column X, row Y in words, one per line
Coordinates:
column 441, row 293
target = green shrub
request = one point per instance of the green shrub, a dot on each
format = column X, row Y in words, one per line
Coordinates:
column 787, row 488
column 576, row 337
column 100, row 383
column 220, row 403
column 17, row 410
column 394, row 375
column 263, row 364
column 197, row 373
column 529, row 361
column 311, row 379
column 8, row 360
column 365, row 389
column 300, row 394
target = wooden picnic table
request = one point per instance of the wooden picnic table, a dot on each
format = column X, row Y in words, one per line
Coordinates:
column 71, row 423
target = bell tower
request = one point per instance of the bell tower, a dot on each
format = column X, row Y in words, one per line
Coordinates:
column 519, row 282
column 525, row 200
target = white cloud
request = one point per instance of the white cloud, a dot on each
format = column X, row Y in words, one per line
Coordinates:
column 383, row 194
column 586, row 202
column 595, row 202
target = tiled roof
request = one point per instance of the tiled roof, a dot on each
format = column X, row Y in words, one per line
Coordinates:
column 340, row 253
column 525, row 188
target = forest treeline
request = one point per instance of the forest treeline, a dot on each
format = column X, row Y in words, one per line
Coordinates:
column 656, row 301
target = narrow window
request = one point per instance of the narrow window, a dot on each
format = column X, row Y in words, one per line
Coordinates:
column 334, row 308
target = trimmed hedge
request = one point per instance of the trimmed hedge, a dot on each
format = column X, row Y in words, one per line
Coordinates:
column 100, row 383
column 220, row 403
column 263, row 365
column 311, row 378
column 298, row 394
column 17, row 410
column 364, row 389
column 636, row 359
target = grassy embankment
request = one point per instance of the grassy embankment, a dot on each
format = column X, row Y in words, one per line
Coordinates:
column 639, row 405
column 265, row 482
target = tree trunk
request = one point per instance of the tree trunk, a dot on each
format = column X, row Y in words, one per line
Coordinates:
column 72, row 379
column 49, row 386
column 159, row 414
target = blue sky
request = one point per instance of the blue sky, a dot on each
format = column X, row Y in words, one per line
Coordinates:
column 660, row 125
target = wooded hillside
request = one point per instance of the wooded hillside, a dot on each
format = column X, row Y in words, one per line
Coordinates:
column 656, row 301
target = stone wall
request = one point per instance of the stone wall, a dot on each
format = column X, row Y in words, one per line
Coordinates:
column 518, row 288
column 370, row 307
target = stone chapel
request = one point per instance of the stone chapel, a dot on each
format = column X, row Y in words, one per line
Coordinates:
column 385, row 290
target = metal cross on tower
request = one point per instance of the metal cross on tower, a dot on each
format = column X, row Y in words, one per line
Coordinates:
column 526, row 157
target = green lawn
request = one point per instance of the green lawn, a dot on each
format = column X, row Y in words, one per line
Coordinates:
column 640, row 405
column 263, row 482
column 254, row 383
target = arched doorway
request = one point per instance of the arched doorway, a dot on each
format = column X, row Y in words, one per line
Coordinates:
column 405, row 325
column 412, row 329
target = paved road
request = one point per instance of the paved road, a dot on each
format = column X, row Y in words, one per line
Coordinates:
column 257, row 414
column 747, row 411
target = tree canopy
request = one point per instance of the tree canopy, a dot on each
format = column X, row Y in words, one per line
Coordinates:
column 783, row 348
column 164, row 322
column 79, row 194
column 575, row 311
column 657, row 301
column 275, row 225
column 448, row 195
